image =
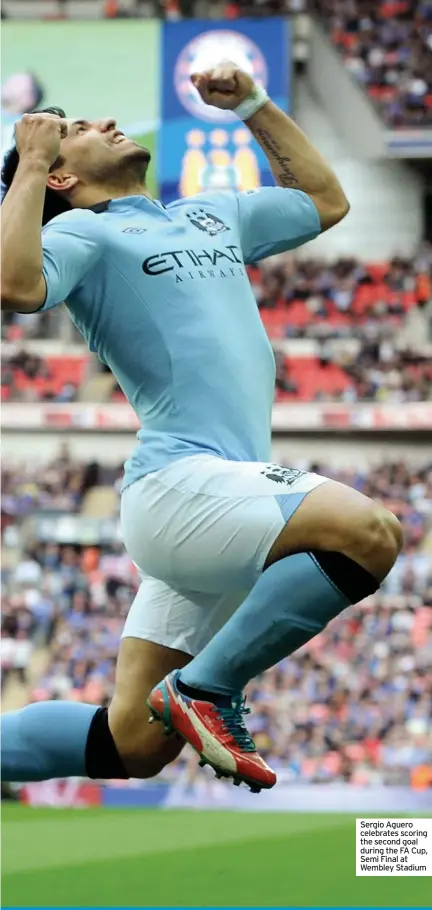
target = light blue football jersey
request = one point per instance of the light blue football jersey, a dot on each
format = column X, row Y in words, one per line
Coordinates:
column 162, row 295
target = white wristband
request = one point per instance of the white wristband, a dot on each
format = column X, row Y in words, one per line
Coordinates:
column 252, row 103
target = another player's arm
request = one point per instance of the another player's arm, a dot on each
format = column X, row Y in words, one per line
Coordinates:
column 23, row 287
column 294, row 160
column 297, row 164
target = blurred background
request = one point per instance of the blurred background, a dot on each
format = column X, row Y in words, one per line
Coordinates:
column 346, row 721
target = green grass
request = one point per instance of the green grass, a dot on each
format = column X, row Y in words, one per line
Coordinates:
column 102, row 857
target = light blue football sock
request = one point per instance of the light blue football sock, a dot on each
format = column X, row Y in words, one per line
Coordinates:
column 292, row 601
column 45, row 740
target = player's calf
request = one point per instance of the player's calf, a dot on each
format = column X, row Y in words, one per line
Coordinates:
column 70, row 739
column 144, row 750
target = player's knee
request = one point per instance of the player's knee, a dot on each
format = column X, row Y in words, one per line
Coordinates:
column 374, row 540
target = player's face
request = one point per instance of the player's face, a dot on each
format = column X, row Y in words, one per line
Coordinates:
column 97, row 152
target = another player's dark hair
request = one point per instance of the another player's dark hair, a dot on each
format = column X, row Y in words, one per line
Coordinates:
column 55, row 204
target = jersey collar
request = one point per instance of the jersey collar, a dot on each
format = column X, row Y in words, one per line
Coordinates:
column 126, row 202
column 100, row 207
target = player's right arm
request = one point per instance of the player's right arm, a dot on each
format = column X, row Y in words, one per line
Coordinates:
column 41, row 268
column 23, row 285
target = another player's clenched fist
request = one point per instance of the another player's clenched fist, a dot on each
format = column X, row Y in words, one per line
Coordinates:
column 38, row 136
column 225, row 86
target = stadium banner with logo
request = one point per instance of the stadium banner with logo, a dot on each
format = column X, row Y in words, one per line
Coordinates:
column 409, row 143
column 201, row 147
column 208, row 793
column 62, row 794
column 290, row 417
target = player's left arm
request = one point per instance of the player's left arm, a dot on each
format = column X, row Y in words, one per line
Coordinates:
column 295, row 162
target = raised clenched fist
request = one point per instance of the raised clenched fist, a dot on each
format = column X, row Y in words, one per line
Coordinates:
column 225, row 86
column 38, row 136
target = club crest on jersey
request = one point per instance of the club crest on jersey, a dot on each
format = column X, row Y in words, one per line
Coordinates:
column 210, row 224
column 281, row 475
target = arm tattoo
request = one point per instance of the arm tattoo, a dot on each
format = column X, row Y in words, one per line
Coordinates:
column 286, row 177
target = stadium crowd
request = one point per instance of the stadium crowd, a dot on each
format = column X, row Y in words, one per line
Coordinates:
column 297, row 298
column 345, row 287
column 354, row 705
column 387, row 46
column 375, row 371
column 228, row 9
column 175, row 10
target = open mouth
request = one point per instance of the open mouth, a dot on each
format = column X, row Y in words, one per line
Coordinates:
column 120, row 137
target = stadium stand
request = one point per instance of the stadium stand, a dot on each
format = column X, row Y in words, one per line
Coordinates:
column 383, row 306
column 231, row 9
column 387, row 47
column 359, row 376
column 171, row 10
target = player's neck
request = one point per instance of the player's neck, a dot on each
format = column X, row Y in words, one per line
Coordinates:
column 134, row 189
column 89, row 197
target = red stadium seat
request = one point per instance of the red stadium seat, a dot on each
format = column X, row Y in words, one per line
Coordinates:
column 377, row 271
column 61, row 370
column 311, row 378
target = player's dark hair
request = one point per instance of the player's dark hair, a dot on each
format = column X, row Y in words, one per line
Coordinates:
column 54, row 204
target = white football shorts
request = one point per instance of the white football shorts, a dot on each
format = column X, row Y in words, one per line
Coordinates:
column 200, row 531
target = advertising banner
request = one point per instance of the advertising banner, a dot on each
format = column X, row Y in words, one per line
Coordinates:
column 290, row 417
column 409, row 143
column 202, row 147
column 62, row 794
column 208, row 793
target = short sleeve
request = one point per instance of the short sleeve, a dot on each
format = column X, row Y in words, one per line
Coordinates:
column 274, row 219
column 72, row 244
